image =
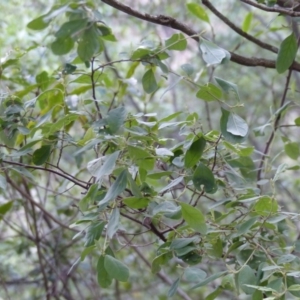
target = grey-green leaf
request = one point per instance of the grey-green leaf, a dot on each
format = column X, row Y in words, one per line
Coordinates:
column 117, row 188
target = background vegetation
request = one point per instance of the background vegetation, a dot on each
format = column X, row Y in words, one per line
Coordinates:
column 149, row 150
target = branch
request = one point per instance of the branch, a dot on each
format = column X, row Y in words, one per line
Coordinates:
column 239, row 30
column 276, row 122
column 84, row 186
column 280, row 10
column 173, row 23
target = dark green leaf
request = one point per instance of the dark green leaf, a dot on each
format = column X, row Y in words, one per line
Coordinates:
column 41, row 155
column 62, row 46
column 115, row 119
column 89, row 44
column 149, row 82
column 194, row 153
column 193, row 217
column 115, row 268
column 181, row 242
column 71, row 28
column 117, row 188
column 204, row 176
column 39, row 23
column 93, row 233
column 4, row 208
column 104, row 279
column 287, row 53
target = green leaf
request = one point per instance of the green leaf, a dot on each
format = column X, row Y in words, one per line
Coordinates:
column 71, row 28
column 247, row 22
column 117, row 188
column 287, row 53
column 140, row 53
column 115, row 119
column 193, row 217
column 297, row 121
column 89, row 44
column 292, row 150
column 113, row 223
column 227, row 135
column 198, row 11
column 115, row 268
column 227, row 86
column 41, row 155
column 247, row 276
column 209, row 92
column 204, row 176
column 4, row 208
column 84, row 202
column 176, row 42
column 104, row 279
column 93, row 233
column 173, row 288
column 141, row 157
column 136, row 202
column 149, row 82
column 214, row 294
column 209, row 279
column 62, row 46
column 213, row 54
column 39, row 23
column 266, row 206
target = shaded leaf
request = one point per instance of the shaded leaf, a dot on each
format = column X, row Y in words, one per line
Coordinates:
column 209, row 279
column 292, row 150
column 287, row 53
column 104, row 279
column 4, row 208
column 193, row 217
column 173, row 288
column 117, row 188
column 204, row 176
column 115, row 268
column 194, row 153
column 41, row 155
column 247, row 277
column 93, row 233
column 149, row 82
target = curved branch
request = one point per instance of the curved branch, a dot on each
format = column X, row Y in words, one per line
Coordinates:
column 238, row 30
column 173, row 23
column 84, row 186
column 280, row 10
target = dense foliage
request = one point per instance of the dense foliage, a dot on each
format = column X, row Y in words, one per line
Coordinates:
column 141, row 158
